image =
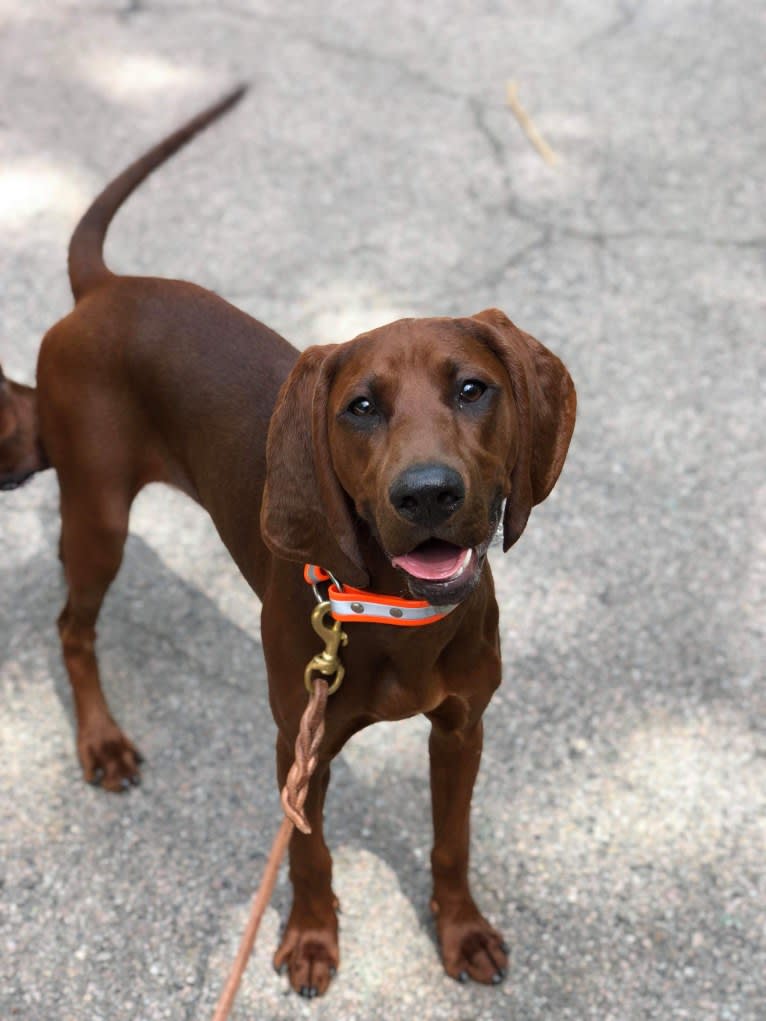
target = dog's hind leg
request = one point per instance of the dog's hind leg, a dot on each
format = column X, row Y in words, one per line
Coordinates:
column 94, row 526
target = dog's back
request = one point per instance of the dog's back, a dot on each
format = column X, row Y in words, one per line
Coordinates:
column 152, row 380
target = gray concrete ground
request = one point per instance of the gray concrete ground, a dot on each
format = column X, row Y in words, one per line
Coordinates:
column 619, row 828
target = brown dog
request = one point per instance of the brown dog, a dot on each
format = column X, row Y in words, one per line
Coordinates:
column 388, row 462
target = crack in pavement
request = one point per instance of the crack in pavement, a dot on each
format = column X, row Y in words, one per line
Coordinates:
column 628, row 14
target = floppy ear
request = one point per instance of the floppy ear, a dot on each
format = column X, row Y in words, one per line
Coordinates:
column 546, row 405
column 305, row 515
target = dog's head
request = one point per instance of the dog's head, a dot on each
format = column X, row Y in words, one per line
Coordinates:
column 20, row 452
column 415, row 434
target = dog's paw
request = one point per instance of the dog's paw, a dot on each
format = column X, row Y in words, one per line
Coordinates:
column 310, row 955
column 108, row 758
column 470, row 947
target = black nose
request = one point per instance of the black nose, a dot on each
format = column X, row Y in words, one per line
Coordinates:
column 427, row 494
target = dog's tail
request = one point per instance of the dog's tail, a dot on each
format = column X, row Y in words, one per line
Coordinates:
column 87, row 268
column 21, row 452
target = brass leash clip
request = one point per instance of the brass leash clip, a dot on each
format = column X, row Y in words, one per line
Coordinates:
column 327, row 662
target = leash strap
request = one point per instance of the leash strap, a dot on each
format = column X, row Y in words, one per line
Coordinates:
column 353, row 604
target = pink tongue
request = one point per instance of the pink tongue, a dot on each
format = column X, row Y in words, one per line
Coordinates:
column 432, row 563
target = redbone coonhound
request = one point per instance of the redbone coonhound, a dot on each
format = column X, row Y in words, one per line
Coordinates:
column 389, row 461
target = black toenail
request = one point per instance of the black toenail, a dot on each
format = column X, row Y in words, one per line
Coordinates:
column 463, row 976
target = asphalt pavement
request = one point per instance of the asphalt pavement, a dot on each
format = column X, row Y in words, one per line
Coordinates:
column 373, row 171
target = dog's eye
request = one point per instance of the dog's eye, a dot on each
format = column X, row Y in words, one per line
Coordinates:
column 361, row 407
column 471, row 390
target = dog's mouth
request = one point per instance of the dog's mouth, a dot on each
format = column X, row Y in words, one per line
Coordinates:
column 441, row 572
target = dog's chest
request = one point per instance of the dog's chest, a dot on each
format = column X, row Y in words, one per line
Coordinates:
column 391, row 693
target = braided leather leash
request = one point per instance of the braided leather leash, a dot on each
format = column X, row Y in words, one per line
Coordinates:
column 310, row 734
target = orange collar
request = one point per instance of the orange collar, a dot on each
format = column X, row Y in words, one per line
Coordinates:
column 347, row 603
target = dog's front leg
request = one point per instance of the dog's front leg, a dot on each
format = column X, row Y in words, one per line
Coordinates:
column 470, row 947
column 309, row 946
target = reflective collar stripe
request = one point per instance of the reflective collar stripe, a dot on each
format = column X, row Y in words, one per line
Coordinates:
column 347, row 603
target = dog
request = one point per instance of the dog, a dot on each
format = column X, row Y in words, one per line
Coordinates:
column 388, row 461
